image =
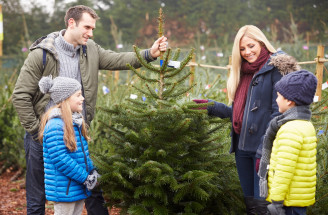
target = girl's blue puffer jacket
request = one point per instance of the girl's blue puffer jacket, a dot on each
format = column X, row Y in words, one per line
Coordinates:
column 261, row 105
column 65, row 171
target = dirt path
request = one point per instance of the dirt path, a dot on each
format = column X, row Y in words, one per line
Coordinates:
column 13, row 200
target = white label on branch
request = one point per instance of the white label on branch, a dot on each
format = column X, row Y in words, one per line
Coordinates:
column 133, row 96
column 316, row 99
column 324, row 85
column 175, row 64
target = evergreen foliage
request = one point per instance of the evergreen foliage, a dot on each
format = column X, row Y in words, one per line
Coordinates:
column 165, row 157
column 11, row 131
column 320, row 121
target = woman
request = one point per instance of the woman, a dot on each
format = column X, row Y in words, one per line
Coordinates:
column 256, row 67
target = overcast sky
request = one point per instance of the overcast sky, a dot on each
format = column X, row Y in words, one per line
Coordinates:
column 48, row 4
column 26, row 4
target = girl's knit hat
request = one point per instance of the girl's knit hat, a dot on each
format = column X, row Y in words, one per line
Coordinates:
column 299, row 87
column 59, row 88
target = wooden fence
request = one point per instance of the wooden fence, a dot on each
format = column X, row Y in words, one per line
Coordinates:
column 319, row 60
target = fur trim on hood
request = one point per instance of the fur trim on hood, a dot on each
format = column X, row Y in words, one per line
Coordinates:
column 46, row 42
column 285, row 63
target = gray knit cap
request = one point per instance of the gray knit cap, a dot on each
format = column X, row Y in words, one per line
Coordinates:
column 59, row 88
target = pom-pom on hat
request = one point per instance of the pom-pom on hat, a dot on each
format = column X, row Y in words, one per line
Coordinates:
column 299, row 87
column 59, row 88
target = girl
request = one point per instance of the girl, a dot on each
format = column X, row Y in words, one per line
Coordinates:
column 68, row 170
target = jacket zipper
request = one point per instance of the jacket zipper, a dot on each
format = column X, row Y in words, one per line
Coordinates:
column 247, row 113
column 69, row 184
column 85, row 159
column 84, row 102
column 244, row 137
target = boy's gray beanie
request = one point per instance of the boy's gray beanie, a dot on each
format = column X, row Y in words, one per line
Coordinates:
column 59, row 88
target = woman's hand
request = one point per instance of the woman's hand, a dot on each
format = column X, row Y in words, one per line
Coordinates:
column 201, row 101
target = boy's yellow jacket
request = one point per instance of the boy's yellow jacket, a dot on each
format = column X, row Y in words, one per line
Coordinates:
column 292, row 171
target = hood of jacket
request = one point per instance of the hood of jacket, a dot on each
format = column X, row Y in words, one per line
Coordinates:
column 47, row 43
column 285, row 63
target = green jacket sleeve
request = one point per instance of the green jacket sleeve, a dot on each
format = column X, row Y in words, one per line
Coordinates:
column 110, row 60
column 26, row 89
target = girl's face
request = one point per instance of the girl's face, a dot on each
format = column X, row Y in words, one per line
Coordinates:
column 249, row 49
column 76, row 101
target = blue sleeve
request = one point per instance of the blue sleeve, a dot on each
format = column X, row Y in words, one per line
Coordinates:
column 90, row 163
column 220, row 110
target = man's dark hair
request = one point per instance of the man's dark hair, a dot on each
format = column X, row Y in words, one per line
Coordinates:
column 76, row 13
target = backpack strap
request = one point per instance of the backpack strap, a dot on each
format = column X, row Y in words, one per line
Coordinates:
column 84, row 48
column 44, row 59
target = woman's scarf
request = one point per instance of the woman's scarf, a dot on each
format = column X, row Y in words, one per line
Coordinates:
column 247, row 67
column 295, row 113
column 248, row 70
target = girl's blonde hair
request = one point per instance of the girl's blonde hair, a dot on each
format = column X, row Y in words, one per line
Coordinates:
column 66, row 115
column 254, row 33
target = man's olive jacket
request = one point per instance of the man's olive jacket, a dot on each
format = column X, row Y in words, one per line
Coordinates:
column 27, row 98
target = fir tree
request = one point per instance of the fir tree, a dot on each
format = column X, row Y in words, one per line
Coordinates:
column 320, row 121
column 166, row 150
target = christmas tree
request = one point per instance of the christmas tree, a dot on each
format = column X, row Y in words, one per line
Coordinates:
column 165, row 157
column 320, row 121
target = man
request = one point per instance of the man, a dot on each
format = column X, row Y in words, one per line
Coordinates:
column 69, row 53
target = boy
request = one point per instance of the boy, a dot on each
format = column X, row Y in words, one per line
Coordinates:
column 289, row 148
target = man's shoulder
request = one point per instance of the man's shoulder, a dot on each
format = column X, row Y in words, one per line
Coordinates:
column 45, row 42
column 91, row 43
column 38, row 53
column 35, row 57
column 92, row 47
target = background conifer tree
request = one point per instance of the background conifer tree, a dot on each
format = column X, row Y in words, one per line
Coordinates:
column 165, row 149
column 320, row 121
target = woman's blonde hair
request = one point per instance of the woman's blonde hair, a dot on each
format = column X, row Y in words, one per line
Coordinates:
column 66, row 115
column 254, row 33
